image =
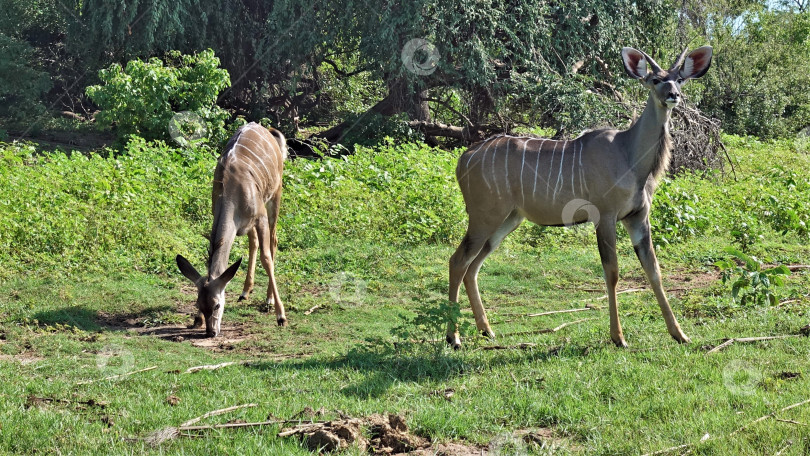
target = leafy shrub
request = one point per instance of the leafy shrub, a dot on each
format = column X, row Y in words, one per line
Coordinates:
column 72, row 211
column 21, row 84
column 403, row 194
column 750, row 283
column 675, row 214
column 370, row 129
column 143, row 98
column 429, row 325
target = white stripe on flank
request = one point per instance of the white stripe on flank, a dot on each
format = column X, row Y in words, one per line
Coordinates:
column 263, row 148
column 258, row 158
column 497, row 189
column 467, row 166
column 581, row 171
column 522, row 168
column 573, row 162
column 537, row 167
column 249, row 163
column 506, row 167
column 483, row 158
column 553, row 152
column 559, row 176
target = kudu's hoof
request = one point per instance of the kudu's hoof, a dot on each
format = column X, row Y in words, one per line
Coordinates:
column 242, row 297
column 282, row 322
column 488, row 334
column 620, row 343
column 682, row 339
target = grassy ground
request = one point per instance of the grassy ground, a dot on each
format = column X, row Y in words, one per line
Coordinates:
column 61, row 328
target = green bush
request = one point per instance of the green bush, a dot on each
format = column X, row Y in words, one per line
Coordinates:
column 21, row 84
column 675, row 214
column 70, row 211
column 145, row 97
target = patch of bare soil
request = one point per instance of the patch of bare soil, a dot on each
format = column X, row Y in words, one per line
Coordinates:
column 22, row 358
column 389, row 436
column 231, row 335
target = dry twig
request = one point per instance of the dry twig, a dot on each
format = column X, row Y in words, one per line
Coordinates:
column 191, row 370
column 748, row 339
column 312, row 309
column 215, row 413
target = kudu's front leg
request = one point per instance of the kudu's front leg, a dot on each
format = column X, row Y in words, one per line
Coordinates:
column 638, row 226
column 606, row 238
column 253, row 242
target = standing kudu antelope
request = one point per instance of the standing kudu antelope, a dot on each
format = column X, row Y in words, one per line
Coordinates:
column 603, row 176
column 246, row 197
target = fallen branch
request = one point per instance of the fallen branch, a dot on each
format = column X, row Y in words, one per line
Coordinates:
column 796, row 267
column 112, row 377
column 215, row 413
column 790, row 421
column 547, row 330
column 551, row 312
column 230, row 425
column 312, row 309
column 748, row 339
column 191, row 370
column 520, row 346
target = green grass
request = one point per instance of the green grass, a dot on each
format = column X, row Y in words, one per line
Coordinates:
column 64, row 321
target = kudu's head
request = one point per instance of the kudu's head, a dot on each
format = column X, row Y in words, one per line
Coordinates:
column 665, row 85
column 210, row 293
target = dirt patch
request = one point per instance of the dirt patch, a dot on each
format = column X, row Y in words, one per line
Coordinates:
column 389, row 436
column 22, row 358
column 231, row 335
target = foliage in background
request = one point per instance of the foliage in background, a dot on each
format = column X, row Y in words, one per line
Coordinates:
column 142, row 98
column 23, row 81
column 755, row 86
column 750, row 282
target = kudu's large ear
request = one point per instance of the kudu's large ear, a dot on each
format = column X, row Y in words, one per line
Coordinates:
column 187, row 269
column 226, row 276
column 635, row 63
column 697, row 63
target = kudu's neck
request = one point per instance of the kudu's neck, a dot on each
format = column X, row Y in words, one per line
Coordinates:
column 649, row 141
column 222, row 237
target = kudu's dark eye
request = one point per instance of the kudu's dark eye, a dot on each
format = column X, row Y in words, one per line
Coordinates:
column 680, row 80
column 656, row 81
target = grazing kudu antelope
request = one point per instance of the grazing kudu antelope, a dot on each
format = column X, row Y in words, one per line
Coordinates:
column 246, row 197
column 603, row 176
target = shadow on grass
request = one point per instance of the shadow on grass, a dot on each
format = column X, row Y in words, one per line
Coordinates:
column 92, row 320
column 384, row 365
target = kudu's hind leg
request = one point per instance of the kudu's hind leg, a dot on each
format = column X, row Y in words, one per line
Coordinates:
column 606, row 238
column 639, row 228
column 253, row 241
column 471, row 277
column 266, row 230
column 478, row 233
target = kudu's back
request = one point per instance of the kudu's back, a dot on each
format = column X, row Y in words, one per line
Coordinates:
column 248, row 174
